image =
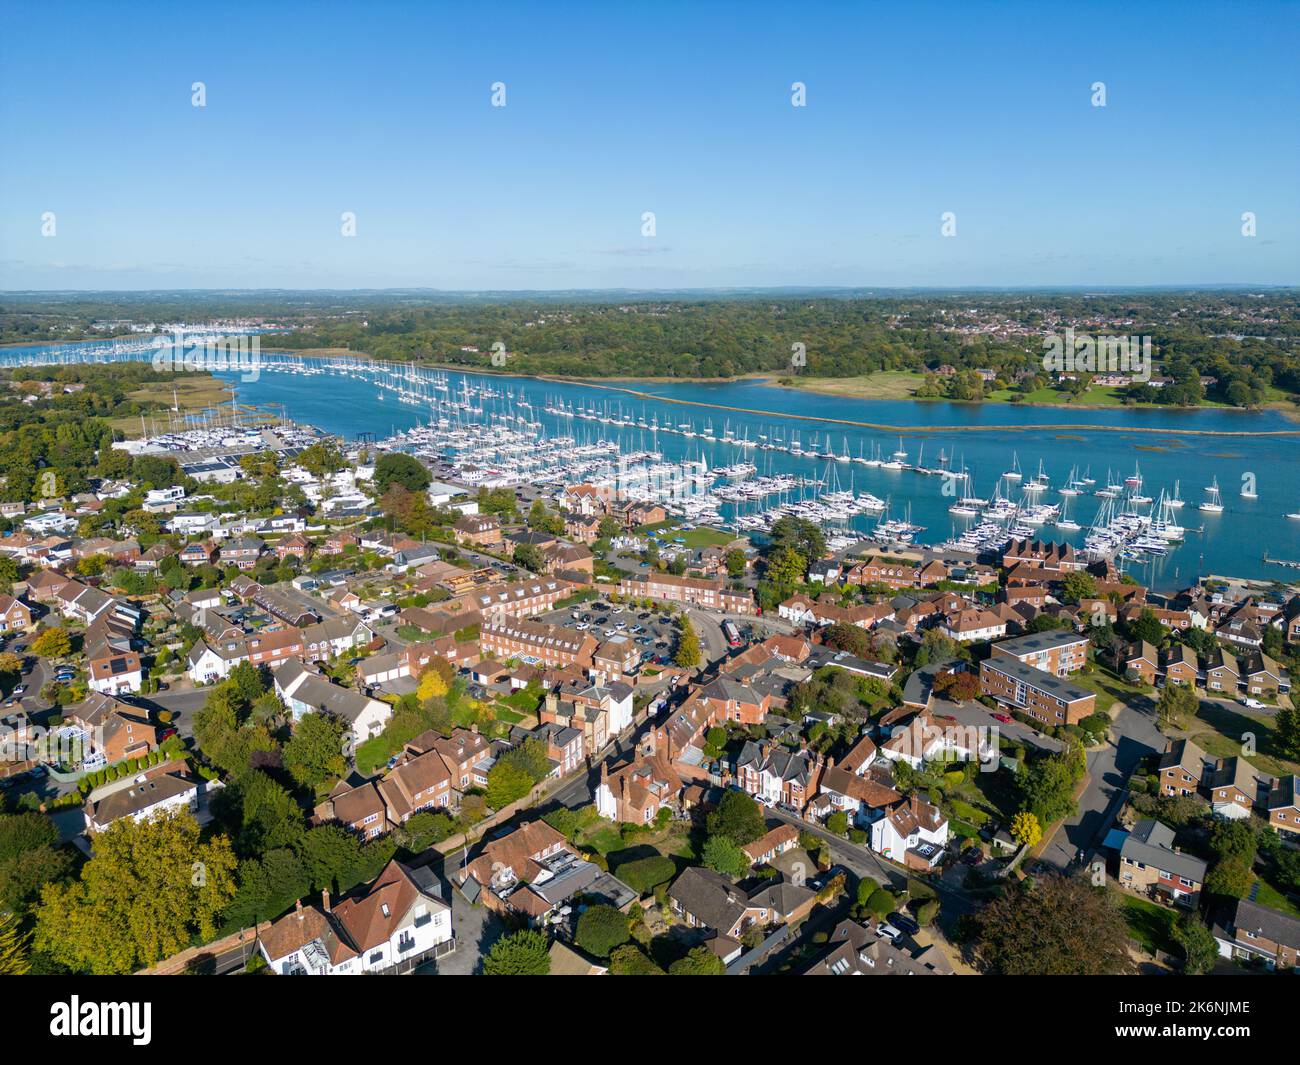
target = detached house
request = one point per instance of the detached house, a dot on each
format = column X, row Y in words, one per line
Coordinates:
column 914, row 833
column 395, row 923
column 637, row 791
column 1149, row 862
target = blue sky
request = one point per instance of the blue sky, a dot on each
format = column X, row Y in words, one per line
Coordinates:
column 613, row 110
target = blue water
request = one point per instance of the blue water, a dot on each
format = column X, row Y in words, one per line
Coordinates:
column 1232, row 543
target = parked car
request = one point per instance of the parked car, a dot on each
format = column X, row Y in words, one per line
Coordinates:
column 166, row 734
column 1252, row 704
column 904, row 923
column 19, row 689
column 887, row 931
column 1004, row 718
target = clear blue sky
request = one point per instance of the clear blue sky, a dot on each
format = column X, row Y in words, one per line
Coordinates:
column 614, row 109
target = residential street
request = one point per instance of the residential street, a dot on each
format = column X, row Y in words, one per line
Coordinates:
column 1132, row 735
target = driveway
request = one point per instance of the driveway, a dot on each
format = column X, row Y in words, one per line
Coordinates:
column 1133, row 735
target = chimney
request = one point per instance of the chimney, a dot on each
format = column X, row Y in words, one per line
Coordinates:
column 298, row 909
column 830, row 762
column 325, row 900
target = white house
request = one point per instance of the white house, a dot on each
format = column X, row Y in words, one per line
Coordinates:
column 398, row 921
column 144, row 798
column 914, row 832
column 304, row 691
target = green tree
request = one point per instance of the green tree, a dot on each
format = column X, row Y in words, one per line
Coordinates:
column 529, row 556
column 723, row 855
column 314, row 753
column 735, row 562
column 13, row 946
column 507, row 783
column 631, row 960
column 149, row 890
column 1146, row 626
column 394, row 467
column 1200, row 948
column 1052, row 926
column 1177, row 705
column 600, row 929
column 1287, row 736
column 738, row 817
column 698, row 961
column 1079, row 585
column 687, row 653
column 522, row 953
column 786, row 567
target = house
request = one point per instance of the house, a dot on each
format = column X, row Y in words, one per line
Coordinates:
column 1141, row 660
column 304, row 691
column 772, row 844
column 856, row 950
column 1222, row 674
column 859, row 795
column 242, row 552
column 637, row 791
column 162, row 791
column 973, row 624
column 1150, row 863
column 1246, row 930
column 107, row 730
column 889, row 572
column 295, row 545
column 709, row 593
column 705, row 899
column 777, row 774
column 360, row 808
column 394, row 923
column 15, row 615
column 1283, row 805
column 932, row 738
column 601, row 712
column 1182, row 768
column 1179, row 665
column 913, row 833
column 1042, row 554
column 116, row 673
column 1260, row 675
column 533, row 641
column 1034, row 692
column 512, row 861
column 199, row 553
column 729, row 700
column 1233, row 788
column 482, row 530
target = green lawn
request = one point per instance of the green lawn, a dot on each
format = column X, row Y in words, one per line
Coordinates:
column 1151, row 924
column 1218, row 730
column 1108, row 687
column 1268, row 895
column 696, row 538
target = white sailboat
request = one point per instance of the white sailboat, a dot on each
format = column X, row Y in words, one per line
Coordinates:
column 1213, row 505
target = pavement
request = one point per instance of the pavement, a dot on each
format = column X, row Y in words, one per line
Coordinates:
column 1133, row 735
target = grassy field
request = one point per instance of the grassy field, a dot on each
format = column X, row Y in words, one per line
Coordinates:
column 1108, row 687
column 1151, row 924
column 192, row 392
column 695, row 538
column 1218, row 729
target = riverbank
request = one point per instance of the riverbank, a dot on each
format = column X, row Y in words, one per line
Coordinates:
column 192, row 391
column 903, row 385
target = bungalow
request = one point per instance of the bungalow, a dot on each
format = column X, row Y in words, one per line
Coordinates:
column 162, row 791
column 705, row 899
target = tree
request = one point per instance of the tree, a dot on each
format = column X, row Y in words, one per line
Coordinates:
column 529, row 556
column 1200, row 948
column 320, row 459
column 1177, row 705
column 394, row 467
column 522, row 953
column 608, row 528
column 314, row 753
column 881, row 902
column 738, row 817
column 601, row 928
column 13, row 946
column 735, row 562
column 1052, row 926
column 723, row 855
column 698, row 961
column 786, row 567
column 1025, row 829
column 1047, row 786
column 432, row 683
column 838, row 823
column 687, row 653
column 844, row 636
column 507, row 783
column 631, row 960
column 1287, row 736
column 30, row 858
column 1146, row 626
column 1079, row 585
column 52, row 643
column 149, row 890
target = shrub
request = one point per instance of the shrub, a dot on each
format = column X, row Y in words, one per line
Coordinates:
column 601, row 929
column 646, row 874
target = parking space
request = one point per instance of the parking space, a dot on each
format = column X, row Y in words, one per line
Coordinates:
column 652, row 631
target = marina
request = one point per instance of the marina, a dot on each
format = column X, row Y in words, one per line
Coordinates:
column 744, row 473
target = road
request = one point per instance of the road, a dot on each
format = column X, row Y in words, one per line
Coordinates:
column 1132, row 736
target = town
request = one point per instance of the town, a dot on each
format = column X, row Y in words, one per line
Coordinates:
column 415, row 723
